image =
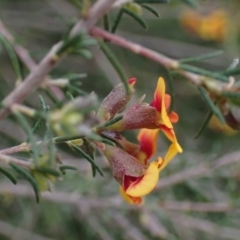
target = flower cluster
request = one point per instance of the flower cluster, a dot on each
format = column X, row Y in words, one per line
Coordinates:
column 129, row 162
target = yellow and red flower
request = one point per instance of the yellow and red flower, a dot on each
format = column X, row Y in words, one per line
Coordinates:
column 151, row 116
column 130, row 166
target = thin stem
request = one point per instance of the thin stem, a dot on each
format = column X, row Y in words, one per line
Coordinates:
column 38, row 74
column 148, row 53
column 7, row 159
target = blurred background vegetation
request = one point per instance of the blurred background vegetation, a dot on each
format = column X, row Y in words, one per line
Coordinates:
column 198, row 193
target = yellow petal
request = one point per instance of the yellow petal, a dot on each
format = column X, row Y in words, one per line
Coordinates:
column 147, row 184
column 131, row 200
column 172, row 137
column 171, row 153
column 164, row 115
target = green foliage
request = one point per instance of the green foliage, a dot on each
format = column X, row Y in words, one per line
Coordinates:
column 13, row 57
column 25, row 174
column 197, row 195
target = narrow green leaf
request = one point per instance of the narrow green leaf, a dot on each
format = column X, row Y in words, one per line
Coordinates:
column 107, row 141
column 106, row 23
column 115, row 63
column 75, row 76
column 136, row 17
column 36, row 127
column 205, row 123
column 47, row 171
column 67, row 138
column 191, row 3
column 87, row 43
column 201, row 57
column 53, row 97
column 63, row 168
column 29, row 132
column 8, row 175
column 231, row 95
column 112, row 121
column 87, row 157
column 231, row 72
column 28, row 177
column 69, row 28
column 13, row 57
column 204, row 72
column 84, row 52
column 69, row 44
column 70, row 96
column 150, row 9
column 233, row 64
column 90, row 151
column 117, row 21
column 43, row 104
column 212, row 105
column 76, row 90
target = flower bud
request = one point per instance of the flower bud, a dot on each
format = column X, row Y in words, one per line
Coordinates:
column 116, row 100
column 123, row 164
column 136, row 117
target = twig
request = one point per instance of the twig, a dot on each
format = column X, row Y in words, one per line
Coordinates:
column 129, row 230
column 83, row 213
column 9, row 230
column 37, row 76
column 7, row 159
column 198, row 207
column 151, row 222
column 205, row 226
column 148, row 53
column 21, row 52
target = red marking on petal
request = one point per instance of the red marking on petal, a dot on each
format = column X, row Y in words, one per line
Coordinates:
column 148, row 143
column 158, row 95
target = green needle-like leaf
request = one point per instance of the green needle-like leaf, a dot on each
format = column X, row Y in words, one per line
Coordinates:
column 47, row 171
column 13, row 57
column 205, row 123
column 201, row 57
column 106, row 23
column 90, row 151
column 53, row 97
column 115, row 63
column 87, row 157
column 204, row 72
column 136, row 17
column 83, row 52
column 117, row 21
column 212, row 105
column 231, row 95
column 112, row 121
column 28, row 177
column 150, row 9
column 76, row 90
column 63, row 168
column 231, row 72
column 29, row 132
column 8, row 175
